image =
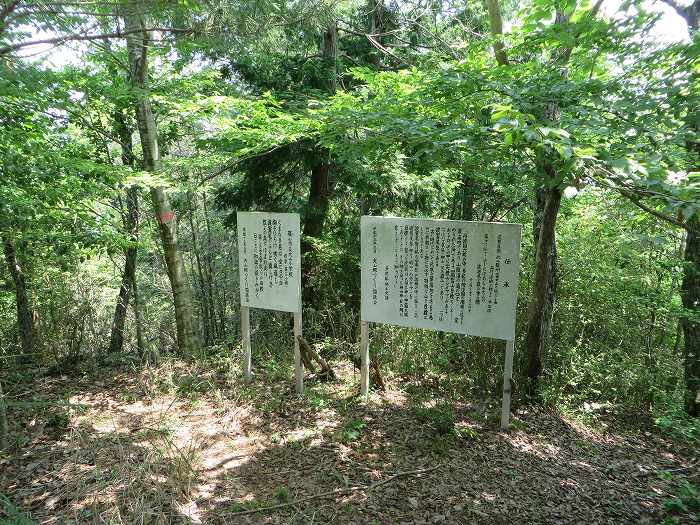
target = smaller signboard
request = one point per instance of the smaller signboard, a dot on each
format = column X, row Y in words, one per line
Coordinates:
column 269, row 260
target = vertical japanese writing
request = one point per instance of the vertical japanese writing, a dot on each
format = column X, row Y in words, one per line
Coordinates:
column 446, row 275
column 244, row 264
column 269, row 260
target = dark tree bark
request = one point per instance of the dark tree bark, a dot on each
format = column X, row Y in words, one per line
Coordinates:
column 690, row 294
column 25, row 314
column 128, row 276
column 690, row 289
column 4, row 424
column 124, row 133
column 542, row 301
column 116, row 342
column 320, row 188
column 467, row 212
column 316, row 210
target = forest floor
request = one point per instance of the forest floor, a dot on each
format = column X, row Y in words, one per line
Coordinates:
column 177, row 445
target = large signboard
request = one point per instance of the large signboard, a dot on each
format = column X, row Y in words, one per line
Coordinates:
column 269, row 260
column 454, row 276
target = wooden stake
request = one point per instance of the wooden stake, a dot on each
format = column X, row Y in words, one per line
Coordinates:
column 364, row 356
column 306, row 358
column 310, row 354
column 245, row 334
column 507, row 384
column 298, row 368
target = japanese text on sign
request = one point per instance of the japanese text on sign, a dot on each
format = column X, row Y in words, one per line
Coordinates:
column 269, row 260
column 454, row 276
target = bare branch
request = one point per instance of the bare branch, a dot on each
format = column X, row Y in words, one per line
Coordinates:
column 76, row 37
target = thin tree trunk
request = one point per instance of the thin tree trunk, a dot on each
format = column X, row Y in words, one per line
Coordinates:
column 124, row 132
column 203, row 301
column 25, row 315
column 128, row 275
column 690, row 287
column 548, row 201
column 690, row 294
column 467, row 212
column 137, row 45
column 4, row 424
column 138, row 319
column 214, row 295
column 544, row 287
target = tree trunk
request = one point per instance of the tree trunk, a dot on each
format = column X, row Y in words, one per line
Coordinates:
column 320, row 187
column 215, row 293
column 140, row 344
column 330, row 56
column 544, row 285
column 116, row 342
column 496, row 26
column 467, row 212
column 25, row 315
column 203, row 300
column 317, row 207
column 690, row 288
column 124, row 133
column 137, row 45
column 4, row 425
column 690, row 294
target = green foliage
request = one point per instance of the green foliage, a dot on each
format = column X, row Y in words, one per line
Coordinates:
column 430, row 128
column 282, row 495
column 11, row 514
column 441, row 417
column 674, row 422
column 351, row 430
column 687, row 499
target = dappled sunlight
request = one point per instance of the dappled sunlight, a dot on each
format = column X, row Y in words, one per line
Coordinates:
column 396, row 457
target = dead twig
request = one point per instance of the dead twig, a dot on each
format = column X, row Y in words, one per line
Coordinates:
column 680, row 469
column 337, row 492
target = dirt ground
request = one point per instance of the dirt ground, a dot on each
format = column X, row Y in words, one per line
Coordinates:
column 175, row 446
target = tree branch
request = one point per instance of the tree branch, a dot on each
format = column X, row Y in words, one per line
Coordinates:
column 337, row 492
column 75, row 38
column 637, row 202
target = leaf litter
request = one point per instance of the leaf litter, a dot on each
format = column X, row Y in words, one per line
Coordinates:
column 138, row 453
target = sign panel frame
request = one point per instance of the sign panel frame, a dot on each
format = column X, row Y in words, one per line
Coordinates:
column 269, row 253
column 443, row 275
column 269, row 260
column 452, row 276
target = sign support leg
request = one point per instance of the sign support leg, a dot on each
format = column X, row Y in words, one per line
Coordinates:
column 507, row 384
column 298, row 367
column 245, row 333
column 364, row 357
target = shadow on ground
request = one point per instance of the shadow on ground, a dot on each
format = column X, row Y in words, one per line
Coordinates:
column 131, row 457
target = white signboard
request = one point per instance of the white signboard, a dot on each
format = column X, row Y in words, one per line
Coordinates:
column 269, row 260
column 454, row 276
